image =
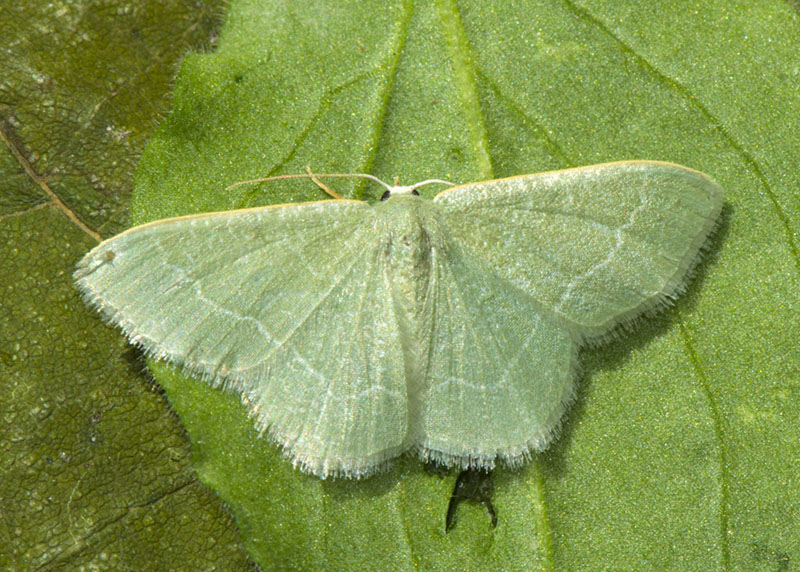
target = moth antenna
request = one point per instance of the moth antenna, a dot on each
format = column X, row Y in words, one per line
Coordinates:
column 322, row 185
column 311, row 176
column 432, row 182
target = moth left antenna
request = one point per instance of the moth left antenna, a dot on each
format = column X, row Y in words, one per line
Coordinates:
column 314, row 177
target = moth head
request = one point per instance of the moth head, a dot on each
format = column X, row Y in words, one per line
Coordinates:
column 398, row 190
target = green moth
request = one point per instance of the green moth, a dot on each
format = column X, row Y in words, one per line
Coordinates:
column 355, row 332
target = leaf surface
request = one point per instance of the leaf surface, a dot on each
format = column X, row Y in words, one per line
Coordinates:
column 96, row 470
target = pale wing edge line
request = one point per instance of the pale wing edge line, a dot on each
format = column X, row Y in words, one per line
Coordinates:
column 636, row 162
column 227, row 213
column 324, row 467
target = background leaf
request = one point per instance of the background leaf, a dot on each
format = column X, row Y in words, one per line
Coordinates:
column 95, row 469
column 682, row 449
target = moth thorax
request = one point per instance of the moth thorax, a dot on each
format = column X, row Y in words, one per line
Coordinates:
column 410, row 269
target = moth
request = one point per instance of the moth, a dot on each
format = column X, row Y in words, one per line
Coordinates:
column 355, row 332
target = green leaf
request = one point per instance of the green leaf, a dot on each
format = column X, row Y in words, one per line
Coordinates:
column 96, row 471
column 681, row 451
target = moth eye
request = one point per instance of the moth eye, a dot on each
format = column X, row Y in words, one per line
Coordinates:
column 386, row 195
column 414, row 192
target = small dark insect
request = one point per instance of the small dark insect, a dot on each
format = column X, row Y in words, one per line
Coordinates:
column 473, row 485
